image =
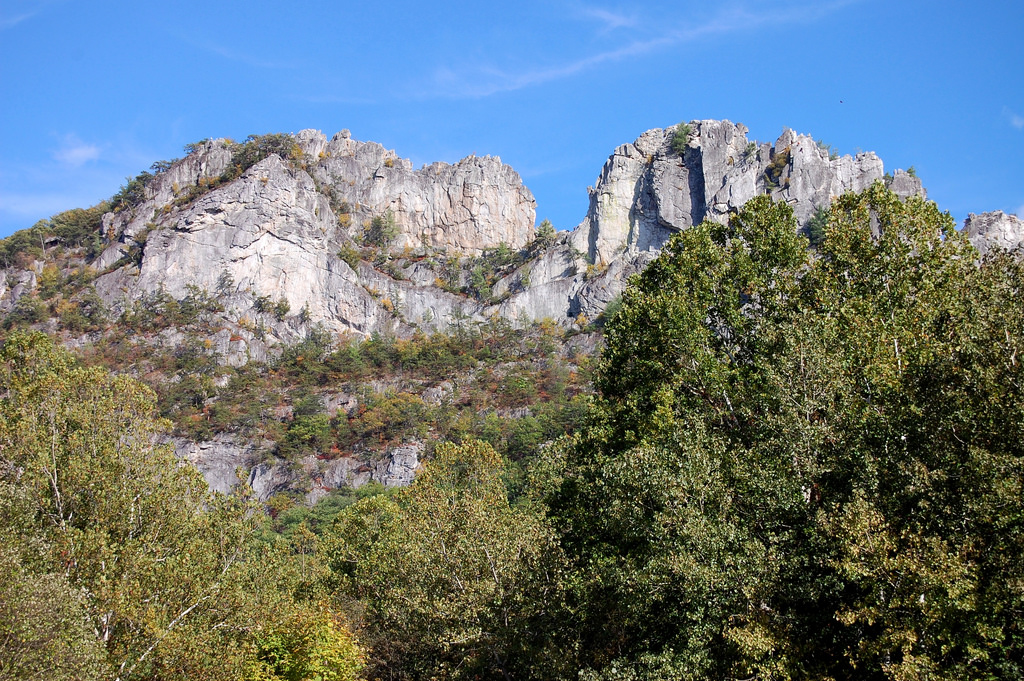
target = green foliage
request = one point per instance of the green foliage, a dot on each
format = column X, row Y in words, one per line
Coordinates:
column 777, row 166
column 488, row 267
column 546, row 234
column 44, row 629
column 310, row 644
column 193, row 147
column 681, row 138
column 243, row 156
column 457, row 583
column 145, row 574
column 225, row 284
column 479, row 283
column 255, row 149
column 79, row 227
column 832, row 152
column 350, row 255
column 281, row 309
column 310, row 433
column 609, row 311
column 27, row 311
column 805, row 468
column 76, row 227
column 159, row 310
column 815, row 227
column 381, row 231
column 132, row 194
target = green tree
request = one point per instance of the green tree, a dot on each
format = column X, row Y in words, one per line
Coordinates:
column 681, row 138
column 546, row 234
column 455, row 582
column 805, row 469
column 381, row 231
column 44, row 630
column 171, row 583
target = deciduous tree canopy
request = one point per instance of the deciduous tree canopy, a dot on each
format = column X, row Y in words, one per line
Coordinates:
column 806, row 466
column 148, row 575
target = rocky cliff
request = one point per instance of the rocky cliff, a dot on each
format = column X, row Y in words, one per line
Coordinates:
column 286, row 241
column 995, row 230
column 278, row 230
column 284, row 237
column 668, row 180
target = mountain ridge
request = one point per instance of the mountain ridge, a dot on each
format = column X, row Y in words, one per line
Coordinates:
column 280, row 225
column 274, row 250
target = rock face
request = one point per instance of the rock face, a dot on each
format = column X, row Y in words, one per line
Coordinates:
column 473, row 205
column 647, row 191
column 273, row 236
column 226, row 462
column 995, row 230
column 274, row 233
column 277, row 247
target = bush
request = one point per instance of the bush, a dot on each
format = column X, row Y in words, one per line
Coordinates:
column 814, row 230
column 132, row 193
column 681, row 138
column 381, row 231
column 350, row 255
column 28, row 310
column 775, row 169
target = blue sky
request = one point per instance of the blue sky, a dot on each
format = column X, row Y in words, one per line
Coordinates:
column 91, row 92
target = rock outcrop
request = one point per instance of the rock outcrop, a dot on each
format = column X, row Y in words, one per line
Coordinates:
column 475, row 204
column 996, row 230
column 273, row 236
column 274, row 233
column 282, row 246
column 647, row 191
column 226, row 461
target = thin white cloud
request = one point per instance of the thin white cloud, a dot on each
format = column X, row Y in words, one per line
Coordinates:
column 237, row 56
column 16, row 12
column 484, row 81
column 487, row 81
column 1016, row 120
column 609, row 20
column 74, row 152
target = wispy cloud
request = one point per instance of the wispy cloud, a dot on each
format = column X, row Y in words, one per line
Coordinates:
column 609, row 20
column 234, row 55
column 74, row 152
column 75, row 174
column 1015, row 119
column 484, row 81
column 16, row 12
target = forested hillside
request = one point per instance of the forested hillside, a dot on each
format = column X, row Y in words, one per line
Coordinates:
column 789, row 463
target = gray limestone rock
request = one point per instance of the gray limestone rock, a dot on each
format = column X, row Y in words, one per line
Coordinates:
column 467, row 207
column 275, row 232
column 267, row 479
column 223, row 461
column 647, row 191
column 996, row 230
column 398, row 467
